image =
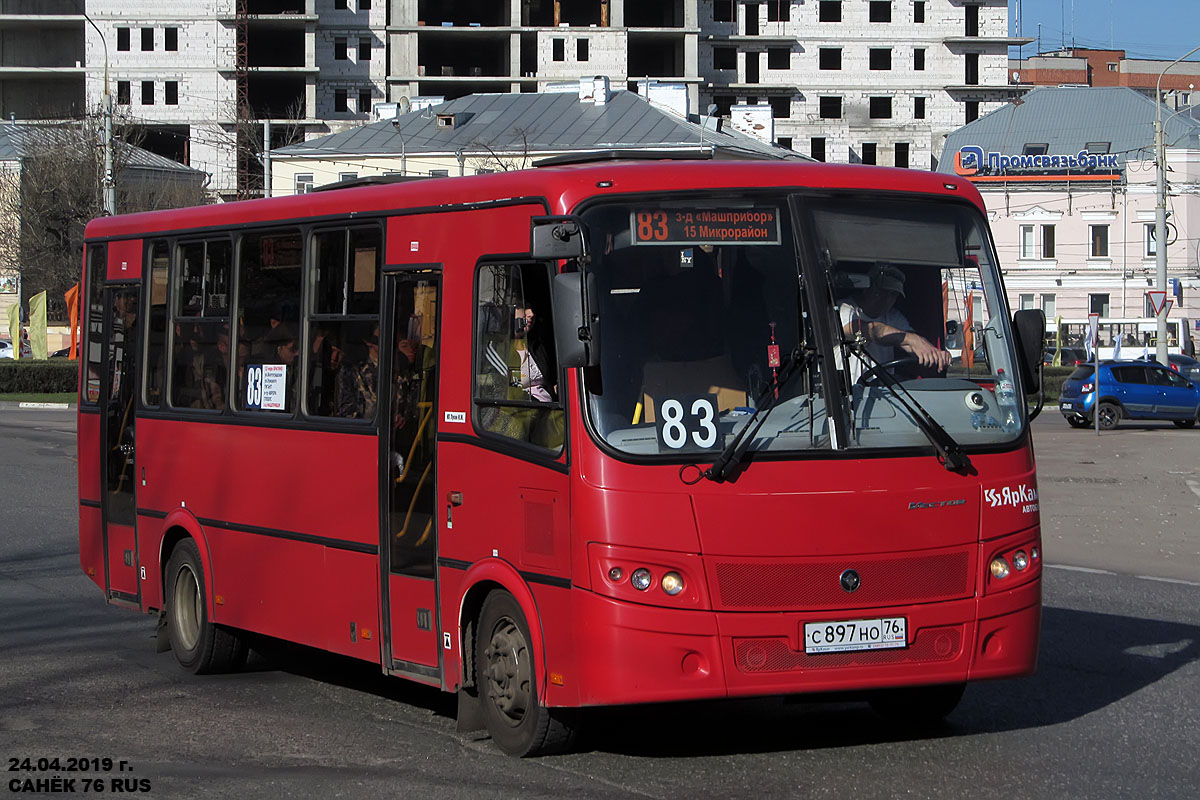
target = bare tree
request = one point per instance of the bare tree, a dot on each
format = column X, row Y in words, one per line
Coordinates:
column 46, row 203
column 503, row 156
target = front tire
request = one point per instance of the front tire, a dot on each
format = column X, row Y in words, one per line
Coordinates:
column 1110, row 415
column 200, row 647
column 507, row 680
column 1077, row 422
column 918, row 705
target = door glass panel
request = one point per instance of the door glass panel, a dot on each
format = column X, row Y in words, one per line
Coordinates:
column 412, row 523
column 121, row 355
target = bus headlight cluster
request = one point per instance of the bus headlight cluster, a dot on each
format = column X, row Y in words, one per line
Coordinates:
column 642, row 579
column 1018, row 561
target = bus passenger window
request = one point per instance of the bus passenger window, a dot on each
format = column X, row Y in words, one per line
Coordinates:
column 269, row 267
column 199, row 366
column 516, row 374
column 156, row 331
column 343, row 333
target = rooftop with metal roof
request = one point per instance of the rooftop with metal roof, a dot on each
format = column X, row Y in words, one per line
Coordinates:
column 1068, row 119
column 541, row 123
column 18, row 141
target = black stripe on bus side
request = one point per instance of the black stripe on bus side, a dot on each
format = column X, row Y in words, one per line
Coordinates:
column 308, row 538
column 531, row 577
column 525, row 454
column 89, row 503
column 260, row 420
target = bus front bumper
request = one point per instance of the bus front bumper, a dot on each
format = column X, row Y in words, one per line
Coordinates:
column 629, row 653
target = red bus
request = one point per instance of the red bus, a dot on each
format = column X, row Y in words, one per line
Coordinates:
column 582, row 435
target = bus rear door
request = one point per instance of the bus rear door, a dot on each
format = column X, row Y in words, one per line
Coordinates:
column 118, row 413
column 410, row 525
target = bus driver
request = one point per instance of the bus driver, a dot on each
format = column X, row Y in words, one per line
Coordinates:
column 886, row 329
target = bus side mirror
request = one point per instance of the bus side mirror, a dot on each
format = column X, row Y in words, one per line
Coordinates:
column 1030, row 327
column 576, row 325
column 555, row 238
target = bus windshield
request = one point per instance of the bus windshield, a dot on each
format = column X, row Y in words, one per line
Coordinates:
column 843, row 319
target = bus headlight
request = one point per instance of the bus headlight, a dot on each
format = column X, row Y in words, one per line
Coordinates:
column 640, row 579
column 1020, row 560
column 999, row 567
column 672, row 583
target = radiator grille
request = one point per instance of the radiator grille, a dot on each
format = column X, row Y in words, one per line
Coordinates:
column 774, row 655
column 815, row 584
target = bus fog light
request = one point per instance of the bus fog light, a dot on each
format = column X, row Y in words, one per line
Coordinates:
column 672, row 583
column 640, row 579
column 615, row 574
column 999, row 567
column 1020, row 560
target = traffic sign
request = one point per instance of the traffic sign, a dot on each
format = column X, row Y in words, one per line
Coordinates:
column 1158, row 299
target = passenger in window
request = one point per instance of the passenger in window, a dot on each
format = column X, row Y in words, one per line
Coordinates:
column 888, row 333
column 535, row 373
column 324, row 383
column 358, row 385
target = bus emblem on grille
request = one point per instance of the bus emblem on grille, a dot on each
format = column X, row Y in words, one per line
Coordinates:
column 850, row 580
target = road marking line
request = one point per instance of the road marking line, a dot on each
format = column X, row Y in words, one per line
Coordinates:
column 1080, row 569
column 1092, row 571
column 1167, row 580
column 1195, row 487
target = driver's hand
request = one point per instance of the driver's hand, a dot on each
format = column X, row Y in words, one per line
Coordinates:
column 926, row 354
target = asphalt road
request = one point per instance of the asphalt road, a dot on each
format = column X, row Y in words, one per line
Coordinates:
column 1113, row 712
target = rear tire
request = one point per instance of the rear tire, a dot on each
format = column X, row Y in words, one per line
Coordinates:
column 1184, row 423
column 200, row 646
column 918, row 705
column 507, row 680
column 1110, row 415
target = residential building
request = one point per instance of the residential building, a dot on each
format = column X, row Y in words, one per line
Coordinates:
column 1084, row 66
column 1069, row 181
column 486, row 133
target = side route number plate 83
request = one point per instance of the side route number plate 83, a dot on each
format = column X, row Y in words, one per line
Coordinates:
column 855, row 634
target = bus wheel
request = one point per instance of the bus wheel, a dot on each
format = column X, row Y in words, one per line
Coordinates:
column 518, row 723
column 1110, row 415
column 918, row 705
column 199, row 645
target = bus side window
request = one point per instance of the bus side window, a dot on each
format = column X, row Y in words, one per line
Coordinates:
column 199, row 333
column 268, row 355
column 342, row 344
column 516, row 370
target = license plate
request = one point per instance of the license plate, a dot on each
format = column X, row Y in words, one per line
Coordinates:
column 855, row 634
column 1067, row 406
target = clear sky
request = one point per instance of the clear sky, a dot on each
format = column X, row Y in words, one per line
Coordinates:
column 1161, row 29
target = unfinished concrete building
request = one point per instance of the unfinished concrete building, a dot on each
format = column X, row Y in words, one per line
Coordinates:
column 451, row 49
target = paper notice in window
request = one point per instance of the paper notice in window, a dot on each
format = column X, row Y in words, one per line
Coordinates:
column 364, row 270
column 274, row 387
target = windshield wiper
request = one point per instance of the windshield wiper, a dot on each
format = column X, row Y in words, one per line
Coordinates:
column 733, row 452
column 949, row 452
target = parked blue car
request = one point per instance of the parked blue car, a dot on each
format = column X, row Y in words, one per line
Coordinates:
column 1130, row 390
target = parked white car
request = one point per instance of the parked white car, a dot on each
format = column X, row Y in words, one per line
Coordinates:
column 6, row 349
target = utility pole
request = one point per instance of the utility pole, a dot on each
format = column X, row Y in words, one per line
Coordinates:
column 266, row 158
column 1160, row 208
column 110, row 188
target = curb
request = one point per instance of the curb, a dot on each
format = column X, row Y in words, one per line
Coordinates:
column 60, row 406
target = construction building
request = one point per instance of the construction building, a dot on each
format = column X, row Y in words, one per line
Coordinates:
column 872, row 81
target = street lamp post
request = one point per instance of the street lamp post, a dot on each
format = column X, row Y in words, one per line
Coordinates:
column 110, row 189
column 1160, row 208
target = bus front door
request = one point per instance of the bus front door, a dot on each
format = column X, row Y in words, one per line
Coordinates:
column 118, row 395
column 408, row 412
